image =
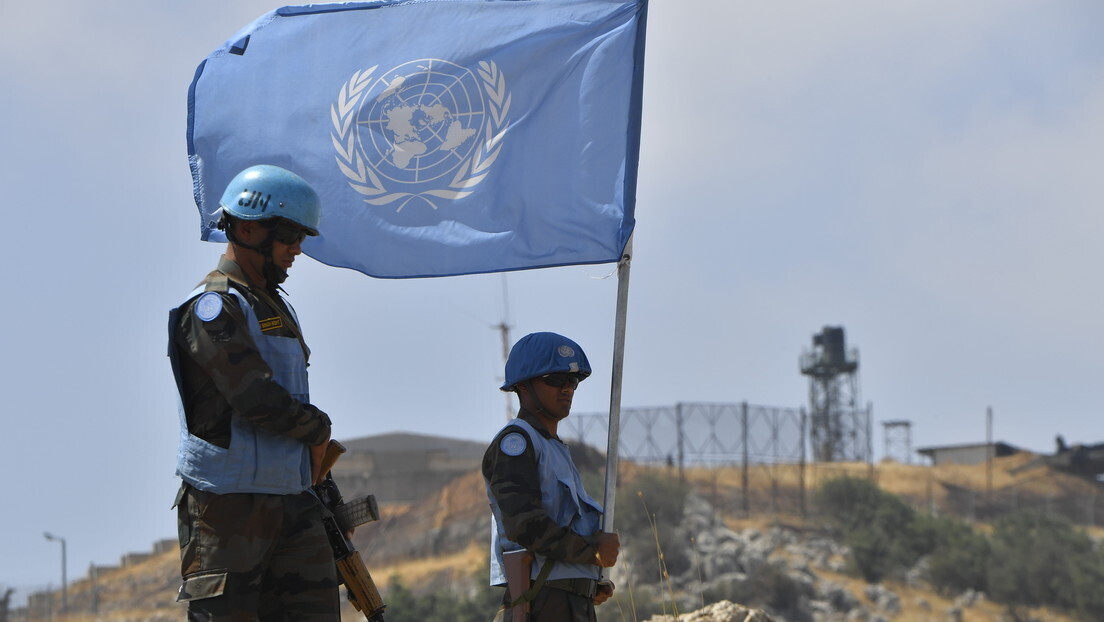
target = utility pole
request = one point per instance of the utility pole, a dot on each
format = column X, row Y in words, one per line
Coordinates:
column 64, row 583
column 504, row 329
column 990, row 451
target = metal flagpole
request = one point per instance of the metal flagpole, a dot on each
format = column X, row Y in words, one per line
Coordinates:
column 615, row 389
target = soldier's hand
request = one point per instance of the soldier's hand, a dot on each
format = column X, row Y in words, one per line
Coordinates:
column 609, row 545
column 605, row 590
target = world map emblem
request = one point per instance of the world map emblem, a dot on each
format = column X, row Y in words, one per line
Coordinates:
column 426, row 130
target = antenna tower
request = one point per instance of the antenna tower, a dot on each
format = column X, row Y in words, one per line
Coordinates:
column 504, row 329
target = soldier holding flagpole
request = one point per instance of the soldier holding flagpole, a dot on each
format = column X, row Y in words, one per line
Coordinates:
column 537, row 497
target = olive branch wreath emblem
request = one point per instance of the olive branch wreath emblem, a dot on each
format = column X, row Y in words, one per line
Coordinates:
column 362, row 178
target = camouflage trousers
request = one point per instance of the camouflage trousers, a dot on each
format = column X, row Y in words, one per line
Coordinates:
column 552, row 605
column 255, row 557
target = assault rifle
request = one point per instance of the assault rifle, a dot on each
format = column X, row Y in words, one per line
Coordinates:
column 343, row 518
column 517, row 565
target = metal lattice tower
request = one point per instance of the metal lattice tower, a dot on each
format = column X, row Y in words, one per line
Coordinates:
column 839, row 426
column 898, row 440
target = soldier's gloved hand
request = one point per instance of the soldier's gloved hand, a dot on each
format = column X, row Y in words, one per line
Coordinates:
column 605, row 590
column 609, row 545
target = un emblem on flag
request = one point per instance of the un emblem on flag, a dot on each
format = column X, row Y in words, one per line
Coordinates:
column 427, row 129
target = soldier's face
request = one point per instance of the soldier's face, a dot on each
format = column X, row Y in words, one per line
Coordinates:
column 556, row 400
column 284, row 255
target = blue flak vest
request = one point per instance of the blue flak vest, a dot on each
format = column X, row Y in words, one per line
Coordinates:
column 565, row 501
column 257, row 461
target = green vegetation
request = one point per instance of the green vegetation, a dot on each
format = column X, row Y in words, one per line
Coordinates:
column 1027, row 560
column 442, row 605
column 1038, row 559
column 1030, row 559
column 880, row 528
column 648, row 517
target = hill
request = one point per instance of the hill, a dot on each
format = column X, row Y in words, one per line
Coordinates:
column 736, row 527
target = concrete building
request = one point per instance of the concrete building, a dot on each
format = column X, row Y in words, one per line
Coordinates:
column 977, row 453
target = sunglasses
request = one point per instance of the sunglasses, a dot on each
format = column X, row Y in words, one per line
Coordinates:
column 288, row 234
column 558, row 380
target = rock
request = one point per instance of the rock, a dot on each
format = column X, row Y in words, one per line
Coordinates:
column 968, row 599
column 838, row 597
column 722, row 611
column 885, row 599
column 917, row 576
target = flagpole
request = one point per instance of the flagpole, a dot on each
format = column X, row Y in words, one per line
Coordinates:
column 614, row 436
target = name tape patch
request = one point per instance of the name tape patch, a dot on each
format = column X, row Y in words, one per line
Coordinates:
column 272, row 323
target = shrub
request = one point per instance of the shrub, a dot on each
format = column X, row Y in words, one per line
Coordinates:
column 442, row 605
column 959, row 557
column 880, row 528
column 1039, row 559
column 648, row 519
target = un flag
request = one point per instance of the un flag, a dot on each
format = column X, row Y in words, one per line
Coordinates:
column 444, row 137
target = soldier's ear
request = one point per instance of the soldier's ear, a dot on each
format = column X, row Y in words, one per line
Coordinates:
column 246, row 228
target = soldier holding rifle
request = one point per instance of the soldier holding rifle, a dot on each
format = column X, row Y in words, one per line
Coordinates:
column 252, row 541
column 546, row 541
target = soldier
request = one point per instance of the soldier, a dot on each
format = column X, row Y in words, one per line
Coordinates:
column 252, row 544
column 537, row 497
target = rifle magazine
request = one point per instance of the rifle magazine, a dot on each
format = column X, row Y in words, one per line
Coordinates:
column 356, row 513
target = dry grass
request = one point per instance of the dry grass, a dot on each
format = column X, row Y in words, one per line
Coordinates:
column 464, row 497
column 925, row 606
column 917, row 482
column 431, row 570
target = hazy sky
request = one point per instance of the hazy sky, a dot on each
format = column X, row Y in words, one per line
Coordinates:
column 926, row 174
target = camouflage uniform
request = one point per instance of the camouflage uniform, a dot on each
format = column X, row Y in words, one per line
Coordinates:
column 247, row 556
column 514, row 483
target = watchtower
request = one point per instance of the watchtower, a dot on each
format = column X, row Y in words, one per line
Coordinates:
column 898, row 440
column 840, row 427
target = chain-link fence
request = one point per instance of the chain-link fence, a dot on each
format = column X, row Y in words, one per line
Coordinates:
column 752, row 459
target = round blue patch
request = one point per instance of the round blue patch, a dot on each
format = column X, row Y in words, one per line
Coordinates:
column 512, row 444
column 208, row 306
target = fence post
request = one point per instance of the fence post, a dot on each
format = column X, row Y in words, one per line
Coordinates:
column 801, row 467
column 744, row 433
column 679, row 434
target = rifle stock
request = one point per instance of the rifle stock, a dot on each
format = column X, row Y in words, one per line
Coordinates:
column 362, row 591
column 518, row 566
column 334, row 450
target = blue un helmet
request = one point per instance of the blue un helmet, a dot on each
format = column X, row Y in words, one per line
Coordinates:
column 264, row 191
column 539, row 354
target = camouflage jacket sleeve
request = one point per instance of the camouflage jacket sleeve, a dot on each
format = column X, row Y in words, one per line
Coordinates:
column 232, row 369
column 514, row 483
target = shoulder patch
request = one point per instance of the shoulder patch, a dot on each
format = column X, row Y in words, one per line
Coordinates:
column 208, row 306
column 513, row 444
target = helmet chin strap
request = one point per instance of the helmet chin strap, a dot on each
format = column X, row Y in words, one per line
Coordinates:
column 541, row 410
column 274, row 275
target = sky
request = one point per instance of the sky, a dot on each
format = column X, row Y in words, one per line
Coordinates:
column 926, row 174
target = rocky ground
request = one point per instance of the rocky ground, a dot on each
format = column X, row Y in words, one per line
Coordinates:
column 790, row 569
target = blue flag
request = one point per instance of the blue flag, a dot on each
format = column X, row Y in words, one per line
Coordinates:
column 444, row 137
